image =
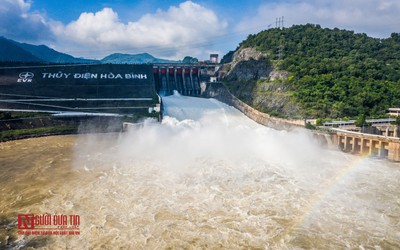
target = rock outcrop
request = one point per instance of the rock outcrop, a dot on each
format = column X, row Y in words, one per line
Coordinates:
column 251, row 77
column 250, row 64
column 247, row 64
column 248, row 70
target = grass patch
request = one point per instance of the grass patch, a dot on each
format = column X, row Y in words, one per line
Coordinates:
column 24, row 133
column 6, row 115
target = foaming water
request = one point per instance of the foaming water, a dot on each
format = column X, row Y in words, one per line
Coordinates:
column 208, row 177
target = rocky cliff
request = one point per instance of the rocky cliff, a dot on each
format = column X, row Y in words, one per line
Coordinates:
column 251, row 77
column 247, row 64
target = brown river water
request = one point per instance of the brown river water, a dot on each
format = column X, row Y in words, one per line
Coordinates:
column 214, row 181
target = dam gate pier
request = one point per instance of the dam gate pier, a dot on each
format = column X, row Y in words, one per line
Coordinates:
column 368, row 144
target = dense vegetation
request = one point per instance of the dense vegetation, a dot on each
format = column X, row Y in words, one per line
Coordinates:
column 335, row 73
column 6, row 115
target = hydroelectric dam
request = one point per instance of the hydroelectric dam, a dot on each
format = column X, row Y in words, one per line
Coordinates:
column 96, row 88
column 115, row 90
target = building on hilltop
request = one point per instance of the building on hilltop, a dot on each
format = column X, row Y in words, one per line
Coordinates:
column 393, row 111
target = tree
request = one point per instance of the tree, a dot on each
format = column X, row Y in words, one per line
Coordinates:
column 397, row 122
column 189, row 59
column 361, row 122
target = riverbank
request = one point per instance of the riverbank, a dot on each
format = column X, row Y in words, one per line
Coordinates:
column 37, row 126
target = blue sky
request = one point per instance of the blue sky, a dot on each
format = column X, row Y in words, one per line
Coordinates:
column 174, row 29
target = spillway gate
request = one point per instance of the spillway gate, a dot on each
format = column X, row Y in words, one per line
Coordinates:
column 185, row 80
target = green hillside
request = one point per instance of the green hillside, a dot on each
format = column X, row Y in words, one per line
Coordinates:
column 335, row 73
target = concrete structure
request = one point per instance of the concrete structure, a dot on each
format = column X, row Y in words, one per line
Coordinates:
column 350, row 123
column 386, row 130
column 184, row 79
column 214, row 58
column 394, row 111
column 95, row 88
column 368, row 144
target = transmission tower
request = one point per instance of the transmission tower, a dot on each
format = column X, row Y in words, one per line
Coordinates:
column 279, row 22
column 280, row 51
column 280, row 48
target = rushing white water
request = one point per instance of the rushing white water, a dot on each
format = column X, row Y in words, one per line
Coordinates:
column 208, row 177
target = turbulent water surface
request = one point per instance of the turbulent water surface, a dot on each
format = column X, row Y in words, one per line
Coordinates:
column 207, row 177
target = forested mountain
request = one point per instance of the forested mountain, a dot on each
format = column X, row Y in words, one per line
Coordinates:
column 332, row 72
column 12, row 51
column 143, row 58
column 16, row 52
column 47, row 54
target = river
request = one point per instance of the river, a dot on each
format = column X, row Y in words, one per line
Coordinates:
column 207, row 177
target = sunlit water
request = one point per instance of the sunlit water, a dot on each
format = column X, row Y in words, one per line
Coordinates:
column 207, row 177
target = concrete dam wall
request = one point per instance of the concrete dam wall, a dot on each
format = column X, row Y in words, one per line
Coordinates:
column 368, row 144
column 107, row 88
column 184, row 79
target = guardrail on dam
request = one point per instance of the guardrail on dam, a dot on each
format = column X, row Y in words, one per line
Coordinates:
column 95, row 88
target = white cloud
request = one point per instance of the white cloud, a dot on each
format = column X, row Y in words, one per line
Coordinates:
column 179, row 31
column 187, row 29
column 378, row 18
column 17, row 22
